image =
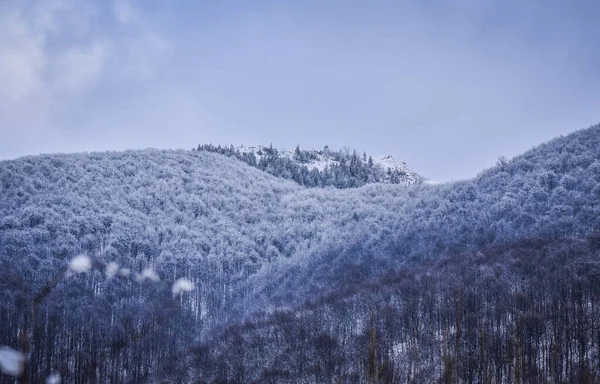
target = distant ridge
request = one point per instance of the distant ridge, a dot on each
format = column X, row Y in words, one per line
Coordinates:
column 320, row 168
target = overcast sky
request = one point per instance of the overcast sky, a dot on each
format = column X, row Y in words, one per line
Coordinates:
column 446, row 88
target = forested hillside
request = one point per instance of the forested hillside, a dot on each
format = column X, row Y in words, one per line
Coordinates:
column 322, row 168
column 381, row 283
column 520, row 313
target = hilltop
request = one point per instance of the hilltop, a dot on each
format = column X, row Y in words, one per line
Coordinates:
column 320, row 168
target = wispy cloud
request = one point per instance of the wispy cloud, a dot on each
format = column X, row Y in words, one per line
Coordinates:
column 125, row 12
column 40, row 51
column 80, row 67
column 22, row 58
column 55, row 53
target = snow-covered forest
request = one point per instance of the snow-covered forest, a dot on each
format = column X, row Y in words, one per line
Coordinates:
column 312, row 278
column 322, row 168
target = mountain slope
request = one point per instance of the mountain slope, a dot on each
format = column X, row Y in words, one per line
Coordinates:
column 551, row 191
column 510, row 313
column 165, row 207
column 250, row 241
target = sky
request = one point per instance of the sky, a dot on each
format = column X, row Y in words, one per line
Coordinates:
column 447, row 87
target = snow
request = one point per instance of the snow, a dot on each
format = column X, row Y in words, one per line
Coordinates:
column 11, row 361
column 388, row 161
column 319, row 164
column 53, row 379
column 182, row 285
column 125, row 272
column 111, row 270
column 80, row 264
column 384, row 162
column 150, row 274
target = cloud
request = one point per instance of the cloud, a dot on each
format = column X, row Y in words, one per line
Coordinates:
column 140, row 54
column 57, row 56
column 22, row 58
column 125, row 12
column 38, row 55
column 63, row 48
column 80, row 67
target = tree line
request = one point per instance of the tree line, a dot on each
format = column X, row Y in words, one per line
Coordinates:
column 344, row 169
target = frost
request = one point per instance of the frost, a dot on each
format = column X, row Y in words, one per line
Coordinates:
column 53, row 379
column 150, row 274
column 11, row 361
column 182, row 285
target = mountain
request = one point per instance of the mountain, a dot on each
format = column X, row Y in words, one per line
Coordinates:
column 549, row 192
column 380, row 282
column 321, row 168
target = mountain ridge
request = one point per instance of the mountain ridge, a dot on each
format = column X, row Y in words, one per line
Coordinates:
column 320, row 168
